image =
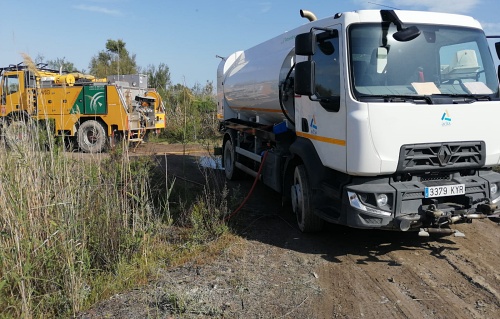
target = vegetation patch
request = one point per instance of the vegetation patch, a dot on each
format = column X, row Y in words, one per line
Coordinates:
column 75, row 230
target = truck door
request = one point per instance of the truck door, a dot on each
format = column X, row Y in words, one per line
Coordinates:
column 11, row 93
column 495, row 48
column 323, row 115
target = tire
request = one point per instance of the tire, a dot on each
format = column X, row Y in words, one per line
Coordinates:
column 230, row 169
column 91, row 137
column 19, row 133
column 301, row 194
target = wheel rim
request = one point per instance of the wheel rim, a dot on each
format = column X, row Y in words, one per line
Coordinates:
column 228, row 159
column 297, row 197
column 92, row 136
column 18, row 133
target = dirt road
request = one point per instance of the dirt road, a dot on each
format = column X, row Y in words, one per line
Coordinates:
column 272, row 270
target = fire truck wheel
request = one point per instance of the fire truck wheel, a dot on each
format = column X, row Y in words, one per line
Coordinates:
column 19, row 133
column 301, row 194
column 91, row 137
column 232, row 172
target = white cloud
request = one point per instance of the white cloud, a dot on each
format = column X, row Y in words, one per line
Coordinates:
column 265, row 7
column 375, row 4
column 98, row 9
column 453, row 6
column 491, row 28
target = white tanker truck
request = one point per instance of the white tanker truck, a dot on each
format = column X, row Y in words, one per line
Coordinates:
column 371, row 119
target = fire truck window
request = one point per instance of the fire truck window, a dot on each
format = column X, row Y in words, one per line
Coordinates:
column 12, row 84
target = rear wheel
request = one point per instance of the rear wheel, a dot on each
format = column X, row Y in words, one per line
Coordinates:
column 301, row 194
column 92, row 137
column 232, row 172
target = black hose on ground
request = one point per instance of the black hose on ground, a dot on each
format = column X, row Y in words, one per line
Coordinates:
column 251, row 189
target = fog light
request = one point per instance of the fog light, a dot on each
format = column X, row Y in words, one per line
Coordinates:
column 382, row 200
column 493, row 189
column 356, row 203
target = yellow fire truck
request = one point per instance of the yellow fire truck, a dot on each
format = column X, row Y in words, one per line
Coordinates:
column 91, row 112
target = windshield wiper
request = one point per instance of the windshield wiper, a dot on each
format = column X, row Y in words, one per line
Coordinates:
column 429, row 99
column 397, row 98
column 469, row 97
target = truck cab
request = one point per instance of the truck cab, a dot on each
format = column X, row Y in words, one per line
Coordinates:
column 14, row 92
column 408, row 103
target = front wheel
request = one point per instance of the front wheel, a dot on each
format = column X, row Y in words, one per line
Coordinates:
column 19, row 133
column 91, row 137
column 301, row 194
column 232, row 172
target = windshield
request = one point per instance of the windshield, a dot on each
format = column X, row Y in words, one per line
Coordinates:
column 441, row 61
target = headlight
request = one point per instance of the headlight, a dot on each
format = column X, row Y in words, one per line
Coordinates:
column 493, row 189
column 382, row 200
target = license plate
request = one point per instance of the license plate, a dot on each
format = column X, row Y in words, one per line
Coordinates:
column 447, row 190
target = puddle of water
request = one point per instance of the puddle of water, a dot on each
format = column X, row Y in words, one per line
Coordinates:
column 211, row 162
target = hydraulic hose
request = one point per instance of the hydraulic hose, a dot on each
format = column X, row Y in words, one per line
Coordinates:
column 251, row 189
column 281, row 90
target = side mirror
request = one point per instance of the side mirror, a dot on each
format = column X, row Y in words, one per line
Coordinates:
column 497, row 48
column 407, row 34
column 304, row 83
column 305, row 43
column 403, row 34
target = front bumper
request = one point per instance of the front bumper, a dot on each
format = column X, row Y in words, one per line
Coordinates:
column 408, row 208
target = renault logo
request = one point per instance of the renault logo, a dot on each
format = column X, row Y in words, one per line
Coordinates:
column 444, row 155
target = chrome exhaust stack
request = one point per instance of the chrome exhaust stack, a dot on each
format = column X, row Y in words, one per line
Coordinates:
column 308, row 15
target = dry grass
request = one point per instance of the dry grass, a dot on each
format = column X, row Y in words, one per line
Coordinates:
column 63, row 221
column 73, row 232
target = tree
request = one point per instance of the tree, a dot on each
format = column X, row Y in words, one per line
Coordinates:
column 61, row 64
column 56, row 64
column 204, row 97
column 159, row 78
column 179, row 94
column 114, row 60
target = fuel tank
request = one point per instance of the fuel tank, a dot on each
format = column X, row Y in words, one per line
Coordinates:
column 248, row 82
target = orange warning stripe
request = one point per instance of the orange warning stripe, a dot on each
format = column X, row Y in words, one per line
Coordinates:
column 322, row 138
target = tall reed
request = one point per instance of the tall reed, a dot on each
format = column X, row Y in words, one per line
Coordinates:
column 64, row 219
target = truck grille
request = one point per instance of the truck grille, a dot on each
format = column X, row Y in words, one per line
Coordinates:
column 436, row 156
column 435, row 177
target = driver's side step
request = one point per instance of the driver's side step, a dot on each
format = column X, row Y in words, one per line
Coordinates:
column 136, row 132
column 136, row 135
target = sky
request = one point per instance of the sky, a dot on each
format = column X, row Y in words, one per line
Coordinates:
column 186, row 35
